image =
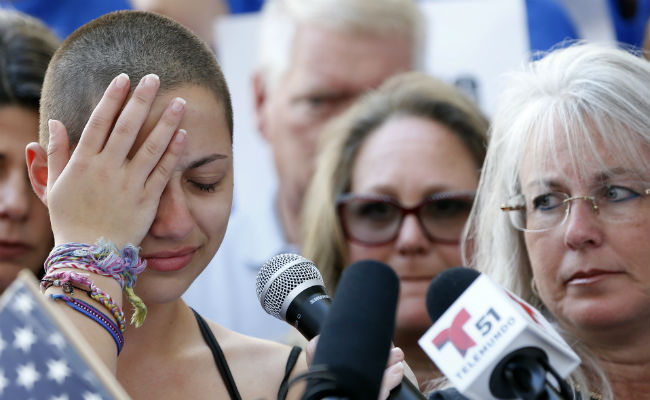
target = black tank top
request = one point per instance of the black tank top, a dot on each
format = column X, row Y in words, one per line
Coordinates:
column 222, row 364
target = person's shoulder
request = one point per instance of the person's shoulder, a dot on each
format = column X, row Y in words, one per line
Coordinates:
column 259, row 366
column 241, row 349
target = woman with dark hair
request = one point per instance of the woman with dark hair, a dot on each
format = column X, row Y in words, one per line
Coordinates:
column 26, row 47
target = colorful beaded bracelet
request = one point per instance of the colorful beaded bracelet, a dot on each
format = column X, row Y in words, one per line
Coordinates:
column 94, row 314
column 66, row 279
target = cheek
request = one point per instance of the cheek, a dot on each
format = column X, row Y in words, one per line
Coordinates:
column 211, row 215
column 633, row 247
column 357, row 253
column 40, row 228
column 449, row 255
column 544, row 258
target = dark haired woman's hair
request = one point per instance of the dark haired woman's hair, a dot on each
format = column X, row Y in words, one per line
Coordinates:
column 26, row 46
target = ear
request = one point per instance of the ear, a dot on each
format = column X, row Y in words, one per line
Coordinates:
column 37, row 168
column 260, row 97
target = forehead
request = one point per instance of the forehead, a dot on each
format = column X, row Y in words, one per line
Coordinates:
column 204, row 120
column 587, row 157
column 352, row 60
column 414, row 149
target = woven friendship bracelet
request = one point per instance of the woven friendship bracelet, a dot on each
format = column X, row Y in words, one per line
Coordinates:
column 67, row 280
column 84, row 267
column 94, row 314
column 106, row 259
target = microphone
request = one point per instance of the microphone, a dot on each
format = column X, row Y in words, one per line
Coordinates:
column 491, row 344
column 290, row 287
column 356, row 336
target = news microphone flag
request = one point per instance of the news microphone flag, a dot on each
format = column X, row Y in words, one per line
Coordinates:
column 482, row 326
column 41, row 354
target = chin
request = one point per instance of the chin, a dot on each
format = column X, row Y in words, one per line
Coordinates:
column 412, row 319
column 156, row 289
column 605, row 315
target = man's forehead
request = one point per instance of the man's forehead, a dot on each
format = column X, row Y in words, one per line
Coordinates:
column 341, row 61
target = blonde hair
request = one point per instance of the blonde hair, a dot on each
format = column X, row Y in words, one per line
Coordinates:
column 280, row 19
column 573, row 98
column 414, row 94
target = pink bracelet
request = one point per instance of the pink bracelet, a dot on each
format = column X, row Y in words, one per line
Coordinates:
column 66, row 279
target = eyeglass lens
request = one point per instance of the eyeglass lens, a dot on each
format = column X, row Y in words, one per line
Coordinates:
column 612, row 203
column 377, row 221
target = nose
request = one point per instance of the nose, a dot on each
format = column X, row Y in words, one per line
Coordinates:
column 583, row 229
column 173, row 219
column 411, row 239
column 16, row 197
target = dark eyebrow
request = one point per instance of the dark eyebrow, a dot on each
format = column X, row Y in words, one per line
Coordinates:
column 205, row 160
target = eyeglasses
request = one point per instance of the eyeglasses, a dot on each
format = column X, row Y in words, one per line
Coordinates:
column 539, row 213
column 374, row 220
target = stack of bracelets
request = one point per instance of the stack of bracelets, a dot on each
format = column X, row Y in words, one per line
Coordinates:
column 103, row 258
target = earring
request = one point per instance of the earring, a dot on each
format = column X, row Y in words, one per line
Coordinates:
column 533, row 287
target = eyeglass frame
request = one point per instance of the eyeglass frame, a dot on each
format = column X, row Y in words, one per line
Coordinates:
column 569, row 199
column 404, row 211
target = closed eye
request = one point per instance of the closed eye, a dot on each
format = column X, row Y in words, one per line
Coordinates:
column 205, row 187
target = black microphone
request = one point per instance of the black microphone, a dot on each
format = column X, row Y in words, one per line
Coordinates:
column 290, row 288
column 490, row 343
column 356, row 336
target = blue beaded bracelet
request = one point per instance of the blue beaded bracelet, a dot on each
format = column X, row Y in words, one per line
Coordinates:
column 96, row 315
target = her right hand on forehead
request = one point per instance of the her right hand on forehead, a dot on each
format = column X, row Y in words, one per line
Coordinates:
column 99, row 191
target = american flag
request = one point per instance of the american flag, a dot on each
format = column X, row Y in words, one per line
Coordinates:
column 38, row 359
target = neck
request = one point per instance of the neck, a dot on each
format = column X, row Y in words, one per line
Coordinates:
column 421, row 365
column 161, row 333
column 624, row 356
column 628, row 380
column 289, row 207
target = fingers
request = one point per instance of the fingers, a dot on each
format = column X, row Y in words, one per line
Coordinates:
column 310, row 350
column 101, row 120
column 163, row 170
column 396, row 355
column 58, row 151
column 132, row 117
column 393, row 373
column 392, row 377
column 158, row 142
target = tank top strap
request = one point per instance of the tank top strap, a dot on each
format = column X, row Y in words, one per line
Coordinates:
column 219, row 357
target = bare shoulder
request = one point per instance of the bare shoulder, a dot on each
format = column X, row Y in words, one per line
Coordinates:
column 258, row 365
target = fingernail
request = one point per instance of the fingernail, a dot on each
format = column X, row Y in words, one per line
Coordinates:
column 180, row 136
column 151, row 80
column 399, row 351
column 178, row 104
column 51, row 126
column 122, row 80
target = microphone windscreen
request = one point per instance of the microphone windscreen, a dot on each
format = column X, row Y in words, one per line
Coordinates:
column 356, row 335
column 446, row 288
column 281, row 277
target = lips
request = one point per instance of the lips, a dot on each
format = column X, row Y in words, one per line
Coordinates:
column 591, row 276
column 11, row 250
column 168, row 261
